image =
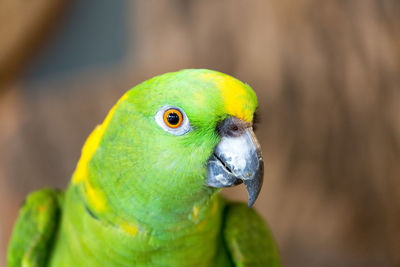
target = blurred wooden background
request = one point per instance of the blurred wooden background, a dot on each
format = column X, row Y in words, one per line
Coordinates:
column 327, row 74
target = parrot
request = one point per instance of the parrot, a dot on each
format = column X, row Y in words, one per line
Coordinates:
column 146, row 188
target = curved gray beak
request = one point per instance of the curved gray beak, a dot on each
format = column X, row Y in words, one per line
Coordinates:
column 237, row 159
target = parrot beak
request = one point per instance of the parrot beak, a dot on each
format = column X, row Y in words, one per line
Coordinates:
column 237, row 159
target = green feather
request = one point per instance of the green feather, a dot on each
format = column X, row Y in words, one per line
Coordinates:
column 34, row 231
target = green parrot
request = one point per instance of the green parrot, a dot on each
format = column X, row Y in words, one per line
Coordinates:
column 145, row 191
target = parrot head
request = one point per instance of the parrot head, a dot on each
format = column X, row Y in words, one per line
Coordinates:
column 175, row 138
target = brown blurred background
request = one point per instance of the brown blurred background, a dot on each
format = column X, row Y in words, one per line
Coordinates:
column 327, row 74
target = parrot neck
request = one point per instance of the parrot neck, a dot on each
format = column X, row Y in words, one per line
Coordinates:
column 152, row 211
column 110, row 234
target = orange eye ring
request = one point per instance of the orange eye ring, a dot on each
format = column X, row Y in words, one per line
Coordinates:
column 173, row 118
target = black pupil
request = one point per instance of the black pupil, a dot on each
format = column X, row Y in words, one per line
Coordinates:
column 173, row 118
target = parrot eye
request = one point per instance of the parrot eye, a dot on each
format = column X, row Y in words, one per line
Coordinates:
column 173, row 120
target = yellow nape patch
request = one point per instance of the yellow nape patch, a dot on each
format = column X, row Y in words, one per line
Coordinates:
column 91, row 144
column 240, row 101
column 95, row 197
column 129, row 228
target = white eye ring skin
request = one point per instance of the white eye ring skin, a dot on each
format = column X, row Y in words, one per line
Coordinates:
column 182, row 129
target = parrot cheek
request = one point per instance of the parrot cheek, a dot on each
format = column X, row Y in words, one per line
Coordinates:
column 237, row 159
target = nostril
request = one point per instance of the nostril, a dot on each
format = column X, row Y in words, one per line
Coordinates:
column 232, row 127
